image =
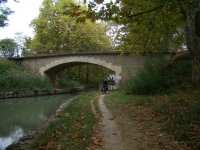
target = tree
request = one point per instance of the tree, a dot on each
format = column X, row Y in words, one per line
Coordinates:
column 185, row 13
column 191, row 14
column 4, row 12
column 24, row 43
column 8, row 48
column 87, row 74
column 57, row 32
column 145, row 28
column 26, row 47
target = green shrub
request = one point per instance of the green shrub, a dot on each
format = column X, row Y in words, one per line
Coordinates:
column 14, row 78
column 179, row 72
column 159, row 75
column 150, row 80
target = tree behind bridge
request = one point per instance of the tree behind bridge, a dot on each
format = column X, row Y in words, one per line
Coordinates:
column 57, row 32
column 154, row 26
column 8, row 48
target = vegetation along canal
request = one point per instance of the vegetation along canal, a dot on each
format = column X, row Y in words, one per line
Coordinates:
column 21, row 115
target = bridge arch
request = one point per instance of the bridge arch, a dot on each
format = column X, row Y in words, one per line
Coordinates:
column 83, row 59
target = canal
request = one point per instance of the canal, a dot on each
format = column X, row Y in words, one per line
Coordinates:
column 19, row 116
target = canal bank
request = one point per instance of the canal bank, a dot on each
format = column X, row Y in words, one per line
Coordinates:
column 24, row 142
column 73, row 127
column 32, row 93
column 21, row 116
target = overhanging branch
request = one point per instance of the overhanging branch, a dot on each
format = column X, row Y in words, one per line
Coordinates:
column 144, row 12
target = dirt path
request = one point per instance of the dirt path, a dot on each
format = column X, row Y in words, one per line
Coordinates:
column 110, row 131
column 137, row 132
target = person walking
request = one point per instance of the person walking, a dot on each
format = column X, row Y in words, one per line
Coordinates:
column 104, row 86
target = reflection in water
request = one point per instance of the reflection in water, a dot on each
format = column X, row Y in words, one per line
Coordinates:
column 14, row 136
column 26, row 114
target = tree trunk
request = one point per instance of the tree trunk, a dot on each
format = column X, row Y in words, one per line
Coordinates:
column 191, row 12
column 196, row 72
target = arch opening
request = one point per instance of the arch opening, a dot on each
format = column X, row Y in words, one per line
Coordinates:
column 56, row 66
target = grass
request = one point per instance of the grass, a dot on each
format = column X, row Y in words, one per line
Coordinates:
column 181, row 113
column 178, row 113
column 73, row 128
column 14, row 78
column 96, row 105
column 166, row 88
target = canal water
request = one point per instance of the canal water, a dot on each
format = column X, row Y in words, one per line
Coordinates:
column 22, row 115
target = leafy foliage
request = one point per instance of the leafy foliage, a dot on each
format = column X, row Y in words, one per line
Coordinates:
column 4, row 12
column 149, row 80
column 154, row 26
column 26, row 47
column 85, row 74
column 8, row 48
column 159, row 75
column 57, row 32
column 145, row 26
column 179, row 71
column 14, row 78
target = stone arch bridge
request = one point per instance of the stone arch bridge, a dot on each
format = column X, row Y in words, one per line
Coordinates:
column 122, row 65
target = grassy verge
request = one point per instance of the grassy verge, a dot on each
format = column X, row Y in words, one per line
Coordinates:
column 178, row 113
column 73, row 128
column 96, row 106
column 15, row 78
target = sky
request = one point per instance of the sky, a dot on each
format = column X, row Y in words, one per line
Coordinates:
column 24, row 12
